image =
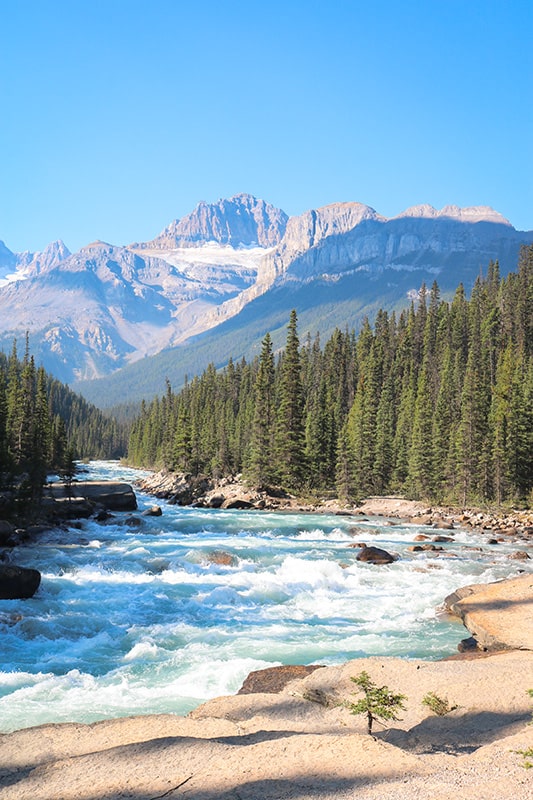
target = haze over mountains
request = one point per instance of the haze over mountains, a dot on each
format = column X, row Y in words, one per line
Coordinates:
column 212, row 283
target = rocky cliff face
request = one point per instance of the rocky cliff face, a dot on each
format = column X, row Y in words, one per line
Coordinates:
column 243, row 220
column 50, row 257
column 434, row 243
column 104, row 307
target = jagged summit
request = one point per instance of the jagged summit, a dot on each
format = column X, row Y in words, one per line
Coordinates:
column 241, row 220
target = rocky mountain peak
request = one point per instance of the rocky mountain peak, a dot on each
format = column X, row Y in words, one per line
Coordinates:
column 310, row 228
column 241, row 220
column 50, row 257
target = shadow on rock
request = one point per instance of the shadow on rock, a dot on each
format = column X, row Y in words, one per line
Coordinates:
column 456, row 733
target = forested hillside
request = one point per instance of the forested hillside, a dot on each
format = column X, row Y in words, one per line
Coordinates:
column 44, row 426
column 437, row 403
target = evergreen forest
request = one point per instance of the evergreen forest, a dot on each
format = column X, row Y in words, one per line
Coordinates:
column 435, row 403
column 44, row 426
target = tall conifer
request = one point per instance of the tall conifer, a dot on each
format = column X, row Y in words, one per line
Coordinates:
column 290, row 444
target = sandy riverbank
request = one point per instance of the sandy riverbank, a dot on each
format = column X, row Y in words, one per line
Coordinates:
column 302, row 743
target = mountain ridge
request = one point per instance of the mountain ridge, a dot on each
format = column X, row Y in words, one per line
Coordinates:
column 105, row 307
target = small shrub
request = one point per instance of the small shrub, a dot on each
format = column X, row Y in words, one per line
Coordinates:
column 439, row 705
column 378, row 703
column 527, row 755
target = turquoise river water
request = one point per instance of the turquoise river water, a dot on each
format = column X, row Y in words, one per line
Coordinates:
column 138, row 620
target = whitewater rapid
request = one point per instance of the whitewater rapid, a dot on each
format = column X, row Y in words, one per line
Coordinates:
column 137, row 619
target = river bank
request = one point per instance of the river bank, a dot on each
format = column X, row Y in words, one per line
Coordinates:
column 233, row 493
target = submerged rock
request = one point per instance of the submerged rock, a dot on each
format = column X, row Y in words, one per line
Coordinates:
column 221, row 557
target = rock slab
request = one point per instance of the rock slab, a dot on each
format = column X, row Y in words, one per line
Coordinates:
column 113, row 495
column 499, row 615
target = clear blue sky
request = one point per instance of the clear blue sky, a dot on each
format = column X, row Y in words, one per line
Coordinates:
column 117, row 116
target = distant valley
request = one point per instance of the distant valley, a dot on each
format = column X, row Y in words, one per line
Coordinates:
column 115, row 322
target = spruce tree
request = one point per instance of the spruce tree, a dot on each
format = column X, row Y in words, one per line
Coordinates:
column 261, row 470
column 290, row 439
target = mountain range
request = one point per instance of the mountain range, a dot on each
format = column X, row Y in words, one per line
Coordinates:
column 116, row 321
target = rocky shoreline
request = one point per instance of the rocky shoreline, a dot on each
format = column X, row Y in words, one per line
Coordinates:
column 233, row 493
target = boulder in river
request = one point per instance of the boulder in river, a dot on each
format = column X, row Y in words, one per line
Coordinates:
column 112, row 495
column 375, row 555
column 153, row 511
column 18, row 583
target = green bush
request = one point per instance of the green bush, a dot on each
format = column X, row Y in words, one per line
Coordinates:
column 378, row 703
column 439, row 705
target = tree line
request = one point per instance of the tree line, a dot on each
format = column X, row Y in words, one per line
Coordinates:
column 44, row 426
column 436, row 403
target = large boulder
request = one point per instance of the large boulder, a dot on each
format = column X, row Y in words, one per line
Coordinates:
column 112, row 495
column 273, row 679
column 18, row 583
column 375, row 555
column 499, row 615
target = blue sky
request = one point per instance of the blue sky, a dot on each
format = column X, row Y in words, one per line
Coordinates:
column 118, row 116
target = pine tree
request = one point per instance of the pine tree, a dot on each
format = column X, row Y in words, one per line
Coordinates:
column 345, row 482
column 290, row 440
column 261, row 469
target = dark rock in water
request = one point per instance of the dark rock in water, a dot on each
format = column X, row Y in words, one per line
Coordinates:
column 273, row 679
column 238, row 503
column 112, row 495
column 153, row 511
column 18, row 583
column 133, row 522
column 467, row 645
column 102, row 515
column 216, row 501
column 375, row 555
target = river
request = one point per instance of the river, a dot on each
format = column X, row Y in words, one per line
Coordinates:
column 138, row 619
